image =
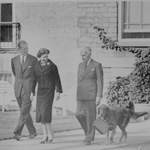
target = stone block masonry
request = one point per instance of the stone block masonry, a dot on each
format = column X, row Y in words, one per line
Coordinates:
column 101, row 14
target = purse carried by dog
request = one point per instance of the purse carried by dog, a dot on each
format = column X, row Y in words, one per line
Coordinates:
column 100, row 125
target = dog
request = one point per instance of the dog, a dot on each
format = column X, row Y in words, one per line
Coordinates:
column 117, row 116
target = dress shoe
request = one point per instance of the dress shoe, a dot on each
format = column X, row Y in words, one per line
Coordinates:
column 88, row 143
column 44, row 141
column 17, row 137
column 32, row 136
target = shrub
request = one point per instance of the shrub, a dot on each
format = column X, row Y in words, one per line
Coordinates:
column 118, row 92
column 135, row 87
column 140, row 79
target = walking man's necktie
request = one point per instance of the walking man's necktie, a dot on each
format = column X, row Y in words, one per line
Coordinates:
column 23, row 61
column 85, row 66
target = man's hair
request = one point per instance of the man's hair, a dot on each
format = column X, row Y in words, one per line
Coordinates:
column 22, row 43
column 42, row 51
column 87, row 48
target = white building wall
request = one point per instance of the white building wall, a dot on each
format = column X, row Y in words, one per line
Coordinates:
column 64, row 27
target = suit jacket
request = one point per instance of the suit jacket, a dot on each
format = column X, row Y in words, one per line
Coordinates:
column 90, row 81
column 47, row 77
column 23, row 74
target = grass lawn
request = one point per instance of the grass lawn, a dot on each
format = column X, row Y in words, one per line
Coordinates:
column 9, row 120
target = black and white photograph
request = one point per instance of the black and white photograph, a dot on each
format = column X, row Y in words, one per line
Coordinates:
column 74, row 75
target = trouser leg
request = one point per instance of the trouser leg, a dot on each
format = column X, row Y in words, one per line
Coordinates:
column 90, row 118
column 30, row 126
column 24, row 114
column 81, row 116
column 25, row 117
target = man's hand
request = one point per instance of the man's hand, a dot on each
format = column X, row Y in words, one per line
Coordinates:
column 31, row 97
column 57, row 96
column 98, row 100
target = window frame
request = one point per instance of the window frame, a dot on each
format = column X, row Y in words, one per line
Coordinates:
column 9, row 44
column 130, row 41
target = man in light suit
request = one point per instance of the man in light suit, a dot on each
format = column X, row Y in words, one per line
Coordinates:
column 89, row 92
column 22, row 68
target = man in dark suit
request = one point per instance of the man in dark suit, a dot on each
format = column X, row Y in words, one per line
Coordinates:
column 22, row 68
column 89, row 92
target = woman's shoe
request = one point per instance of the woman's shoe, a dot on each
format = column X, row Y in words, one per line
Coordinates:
column 44, row 141
column 50, row 141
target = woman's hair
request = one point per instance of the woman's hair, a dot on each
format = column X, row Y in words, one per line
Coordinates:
column 42, row 51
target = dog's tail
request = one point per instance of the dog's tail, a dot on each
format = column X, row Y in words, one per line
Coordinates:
column 133, row 114
column 139, row 114
column 136, row 115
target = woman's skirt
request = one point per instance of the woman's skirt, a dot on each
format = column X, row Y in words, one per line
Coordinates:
column 44, row 104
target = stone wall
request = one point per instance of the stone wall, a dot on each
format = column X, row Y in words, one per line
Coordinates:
column 104, row 15
column 101, row 14
column 52, row 25
column 64, row 27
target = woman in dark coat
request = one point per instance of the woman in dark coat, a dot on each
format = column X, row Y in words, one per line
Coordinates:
column 47, row 76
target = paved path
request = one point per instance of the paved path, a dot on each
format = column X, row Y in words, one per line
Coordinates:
column 138, row 139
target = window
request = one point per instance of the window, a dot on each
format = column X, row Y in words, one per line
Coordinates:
column 9, row 30
column 134, row 22
column 6, row 16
